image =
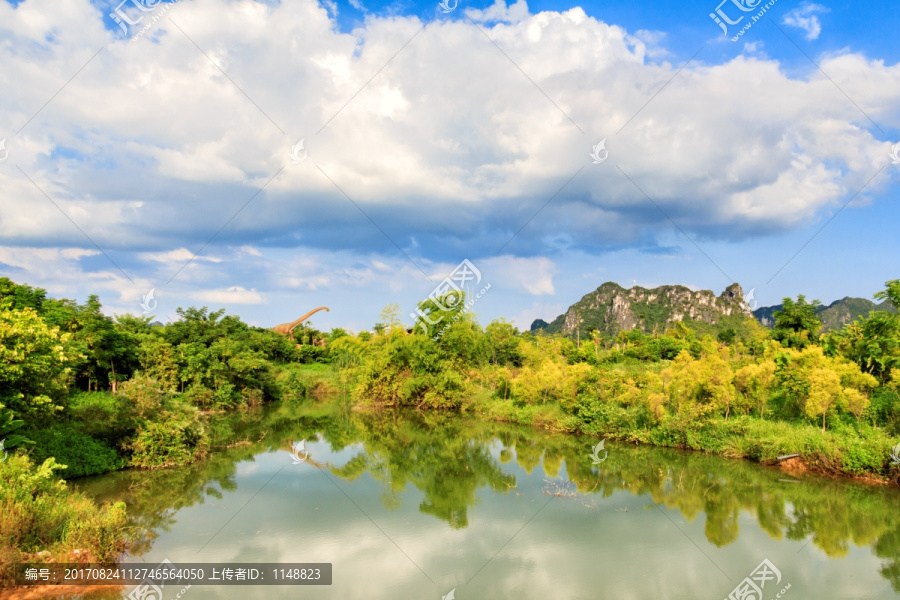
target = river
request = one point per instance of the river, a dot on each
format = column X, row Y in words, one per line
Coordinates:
column 424, row 506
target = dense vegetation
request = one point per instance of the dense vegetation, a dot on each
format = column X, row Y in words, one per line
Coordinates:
column 749, row 392
column 82, row 393
column 94, row 393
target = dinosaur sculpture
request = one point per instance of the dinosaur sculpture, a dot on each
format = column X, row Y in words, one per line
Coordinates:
column 288, row 328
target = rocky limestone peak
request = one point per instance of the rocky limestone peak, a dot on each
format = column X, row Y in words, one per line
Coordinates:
column 734, row 292
column 611, row 308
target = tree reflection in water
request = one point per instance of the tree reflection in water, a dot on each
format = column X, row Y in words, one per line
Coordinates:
column 449, row 458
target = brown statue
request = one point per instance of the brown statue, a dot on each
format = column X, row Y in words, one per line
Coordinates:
column 288, row 328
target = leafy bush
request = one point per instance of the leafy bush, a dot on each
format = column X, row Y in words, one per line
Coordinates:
column 8, row 424
column 177, row 440
column 251, row 397
column 224, row 396
column 885, row 408
column 348, row 351
column 405, row 370
column 40, row 513
column 170, row 431
column 311, row 354
column 293, row 385
column 81, row 453
column 197, row 395
column 104, row 416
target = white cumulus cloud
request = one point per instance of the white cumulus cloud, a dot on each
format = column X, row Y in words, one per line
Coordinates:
column 804, row 17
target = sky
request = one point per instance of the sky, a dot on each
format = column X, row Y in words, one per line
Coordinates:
column 269, row 158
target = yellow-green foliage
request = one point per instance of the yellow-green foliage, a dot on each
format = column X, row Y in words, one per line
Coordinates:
column 819, row 384
column 755, row 383
column 712, row 380
column 552, row 381
column 348, row 351
column 535, row 352
column 34, row 365
column 545, row 376
column 700, row 387
column 38, row 512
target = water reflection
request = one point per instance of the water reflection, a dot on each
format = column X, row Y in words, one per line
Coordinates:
column 449, row 462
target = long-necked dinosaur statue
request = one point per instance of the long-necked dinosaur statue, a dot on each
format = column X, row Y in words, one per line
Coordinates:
column 288, row 328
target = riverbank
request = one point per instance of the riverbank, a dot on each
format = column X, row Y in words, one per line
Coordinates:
column 40, row 592
column 849, row 448
column 754, row 399
column 846, row 453
column 42, row 519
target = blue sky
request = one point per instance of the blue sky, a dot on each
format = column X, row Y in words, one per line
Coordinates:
column 162, row 153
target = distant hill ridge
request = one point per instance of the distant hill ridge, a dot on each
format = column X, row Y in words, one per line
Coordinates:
column 834, row 316
column 611, row 308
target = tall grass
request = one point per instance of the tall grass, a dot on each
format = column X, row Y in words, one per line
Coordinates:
column 41, row 519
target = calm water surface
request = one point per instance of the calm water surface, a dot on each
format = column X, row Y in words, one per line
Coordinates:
column 411, row 506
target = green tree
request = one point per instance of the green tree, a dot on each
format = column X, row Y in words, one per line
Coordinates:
column 157, row 361
column 409, row 370
column 465, row 342
column 337, row 333
column 797, row 324
column 16, row 296
column 816, row 384
column 503, row 343
column 199, row 325
column 111, row 352
column 699, row 387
